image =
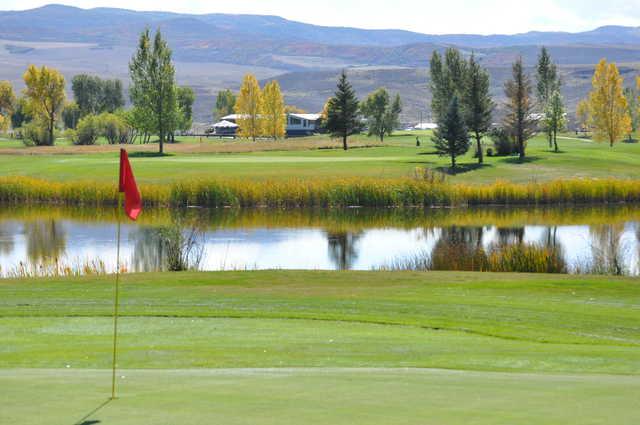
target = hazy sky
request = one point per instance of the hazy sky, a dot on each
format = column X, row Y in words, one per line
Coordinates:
column 427, row 16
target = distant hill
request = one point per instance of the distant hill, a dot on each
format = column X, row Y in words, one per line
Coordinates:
column 212, row 51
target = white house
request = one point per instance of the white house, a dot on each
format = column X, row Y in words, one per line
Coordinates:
column 297, row 124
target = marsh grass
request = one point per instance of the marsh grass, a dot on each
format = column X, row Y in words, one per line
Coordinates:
column 402, row 192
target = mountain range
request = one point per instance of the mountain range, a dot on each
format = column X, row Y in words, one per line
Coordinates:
column 212, row 51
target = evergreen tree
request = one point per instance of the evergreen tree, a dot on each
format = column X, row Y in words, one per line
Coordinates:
column 342, row 112
column 518, row 120
column 451, row 137
column 478, row 104
column 548, row 82
column 554, row 116
column 152, row 87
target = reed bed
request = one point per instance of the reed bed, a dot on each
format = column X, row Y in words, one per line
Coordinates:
column 406, row 192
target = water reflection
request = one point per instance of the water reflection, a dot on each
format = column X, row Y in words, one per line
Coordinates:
column 342, row 249
column 46, row 240
column 603, row 240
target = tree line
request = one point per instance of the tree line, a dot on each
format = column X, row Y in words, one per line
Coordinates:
column 158, row 105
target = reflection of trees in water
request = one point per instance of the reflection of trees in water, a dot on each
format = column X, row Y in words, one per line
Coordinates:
column 510, row 235
column 458, row 248
column 6, row 239
column 342, row 248
column 148, row 253
column 46, row 240
column 606, row 247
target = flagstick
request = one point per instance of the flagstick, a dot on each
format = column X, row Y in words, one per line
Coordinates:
column 115, row 304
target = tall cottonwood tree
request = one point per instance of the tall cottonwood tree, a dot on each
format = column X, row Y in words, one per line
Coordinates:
column 342, row 111
column 45, row 97
column 225, row 104
column 274, row 118
column 554, row 117
column 382, row 113
column 447, row 78
column 152, row 89
column 94, row 95
column 609, row 114
column 451, row 137
column 519, row 107
column 478, row 105
column 583, row 115
column 547, row 82
column 633, row 105
column 185, row 97
column 249, row 108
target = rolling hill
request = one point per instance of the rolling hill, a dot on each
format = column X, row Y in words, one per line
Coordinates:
column 212, row 51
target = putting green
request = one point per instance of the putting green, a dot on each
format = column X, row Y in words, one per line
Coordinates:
column 315, row 396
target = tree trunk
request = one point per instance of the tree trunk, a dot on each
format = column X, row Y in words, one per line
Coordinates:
column 550, row 137
column 479, row 142
column 344, row 142
column 555, row 140
column 521, row 146
column 51, row 125
column 453, row 163
column 161, row 150
column 381, row 137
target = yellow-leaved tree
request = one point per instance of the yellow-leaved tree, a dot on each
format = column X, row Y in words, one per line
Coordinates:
column 274, row 118
column 7, row 102
column 607, row 104
column 583, row 116
column 249, row 108
column 45, row 96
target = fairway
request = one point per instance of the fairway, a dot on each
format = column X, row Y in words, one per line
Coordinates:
column 316, row 158
column 324, row 347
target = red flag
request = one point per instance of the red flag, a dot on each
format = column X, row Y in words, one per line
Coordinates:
column 132, row 201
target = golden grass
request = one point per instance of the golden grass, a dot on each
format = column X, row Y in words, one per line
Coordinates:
column 403, row 192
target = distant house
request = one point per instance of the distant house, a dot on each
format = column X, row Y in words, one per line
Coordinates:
column 297, row 125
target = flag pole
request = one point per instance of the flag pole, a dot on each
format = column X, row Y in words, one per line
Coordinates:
column 116, row 296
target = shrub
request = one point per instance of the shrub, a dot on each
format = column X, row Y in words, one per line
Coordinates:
column 87, row 131
column 35, row 134
column 114, row 128
column 502, row 142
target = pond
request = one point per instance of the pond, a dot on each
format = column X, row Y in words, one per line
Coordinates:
column 573, row 240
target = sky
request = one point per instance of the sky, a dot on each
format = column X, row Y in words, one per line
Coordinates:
column 426, row 16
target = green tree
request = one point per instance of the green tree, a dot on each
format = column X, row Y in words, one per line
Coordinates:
column 547, row 82
column 185, row 97
column 20, row 114
column 45, row 97
column 382, row 114
column 447, row 79
column 554, row 116
column 94, row 95
column 71, row 115
column 518, row 119
column 225, row 104
column 478, row 103
column 451, row 137
column 152, row 87
column 633, row 107
column 342, row 111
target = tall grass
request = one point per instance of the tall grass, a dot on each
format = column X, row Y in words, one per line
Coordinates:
column 325, row 193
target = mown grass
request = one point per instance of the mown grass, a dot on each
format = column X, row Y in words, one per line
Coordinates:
column 323, row 347
column 305, row 159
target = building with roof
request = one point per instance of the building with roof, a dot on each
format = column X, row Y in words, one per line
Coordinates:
column 296, row 125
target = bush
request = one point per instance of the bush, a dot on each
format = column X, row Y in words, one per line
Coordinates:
column 35, row 134
column 114, row 128
column 502, row 142
column 87, row 131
